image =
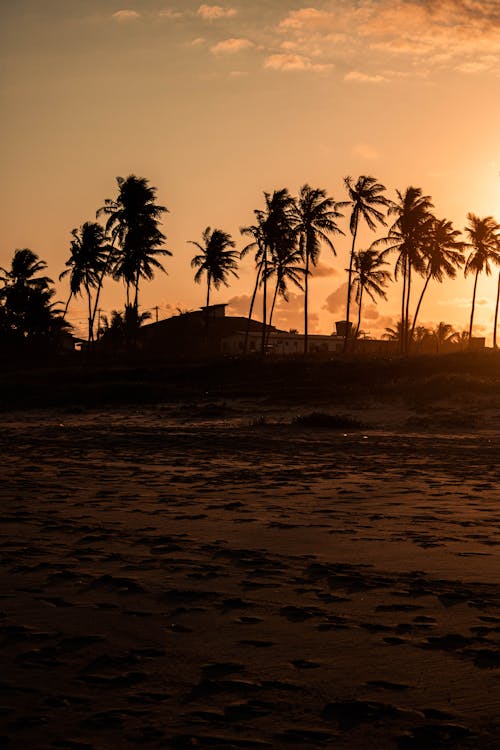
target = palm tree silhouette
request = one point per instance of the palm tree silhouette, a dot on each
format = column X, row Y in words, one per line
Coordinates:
column 366, row 198
column 258, row 245
column 27, row 309
column 484, row 243
column 314, row 217
column 286, row 265
column 408, row 236
column 496, row 314
column 134, row 226
column 368, row 276
column 444, row 253
column 89, row 251
column 272, row 230
column 216, row 259
column 443, row 333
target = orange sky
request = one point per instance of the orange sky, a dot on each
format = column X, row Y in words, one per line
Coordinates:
column 216, row 103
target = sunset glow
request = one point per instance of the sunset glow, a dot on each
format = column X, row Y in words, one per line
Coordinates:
column 215, row 103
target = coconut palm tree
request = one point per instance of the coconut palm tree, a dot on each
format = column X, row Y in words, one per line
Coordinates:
column 443, row 333
column 484, row 244
column 368, row 276
column 258, row 245
column 443, row 253
column 89, row 250
column 314, row 218
column 496, row 314
column 216, row 259
column 408, row 237
column 134, row 226
column 366, row 199
column 272, row 232
column 26, row 299
column 286, row 266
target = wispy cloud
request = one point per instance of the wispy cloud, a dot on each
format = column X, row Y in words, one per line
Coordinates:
column 126, row 15
column 214, row 12
column 358, row 77
column 289, row 62
column 231, row 46
column 170, row 14
column 365, row 151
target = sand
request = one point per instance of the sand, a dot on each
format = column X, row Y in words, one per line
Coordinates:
column 210, row 576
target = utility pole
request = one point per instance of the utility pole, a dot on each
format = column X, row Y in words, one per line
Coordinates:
column 99, row 311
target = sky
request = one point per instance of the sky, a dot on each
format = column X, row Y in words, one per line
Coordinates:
column 216, row 103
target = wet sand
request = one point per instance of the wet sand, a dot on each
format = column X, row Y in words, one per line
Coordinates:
column 214, row 577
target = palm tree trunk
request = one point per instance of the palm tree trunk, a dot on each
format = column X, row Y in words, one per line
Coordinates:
column 67, row 305
column 272, row 310
column 306, row 301
column 403, row 297
column 496, row 315
column 89, row 299
column 407, row 310
column 101, row 279
column 349, row 286
column 418, row 306
column 359, row 312
column 252, row 302
column 473, row 306
column 264, row 304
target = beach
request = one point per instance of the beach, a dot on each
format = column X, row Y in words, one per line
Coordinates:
column 215, row 575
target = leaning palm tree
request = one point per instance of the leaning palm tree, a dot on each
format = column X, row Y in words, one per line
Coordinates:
column 443, row 252
column 366, row 199
column 134, row 226
column 216, row 259
column 258, row 245
column 368, row 276
column 315, row 218
column 89, row 250
column 484, row 244
column 408, row 237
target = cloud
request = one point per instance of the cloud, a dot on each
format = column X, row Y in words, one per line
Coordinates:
column 306, row 18
column 231, row 46
column 170, row 14
column 421, row 35
column 323, row 271
column 239, row 305
column 357, row 77
column 214, row 12
column 291, row 62
column 126, row 15
column 197, row 42
column 335, row 303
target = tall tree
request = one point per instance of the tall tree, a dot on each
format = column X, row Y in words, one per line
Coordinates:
column 370, row 276
column 484, row 244
column 216, row 259
column 315, row 216
column 495, row 323
column 27, row 309
column 258, row 246
column 89, row 250
column 286, row 266
column 368, row 203
column 134, row 226
column 443, row 253
column 408, row 236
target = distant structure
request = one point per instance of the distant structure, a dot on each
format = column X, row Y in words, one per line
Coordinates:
column 210, row 332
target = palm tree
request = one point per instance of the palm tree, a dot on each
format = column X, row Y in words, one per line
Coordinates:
column 314, row 217
column 258, row 245
column 216, row 259
column 444, row 254
column 443, row 333
column 496, row 314
column 484, row 243
column 285, row 266
column 25, row 265
column 408, row 237
column 134, row 226
column 26, row 297
column 370, row 277
column 366, row 198
column 89, row 251
column 271, row 233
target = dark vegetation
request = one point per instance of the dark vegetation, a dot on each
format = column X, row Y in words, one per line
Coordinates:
column 319, row 385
